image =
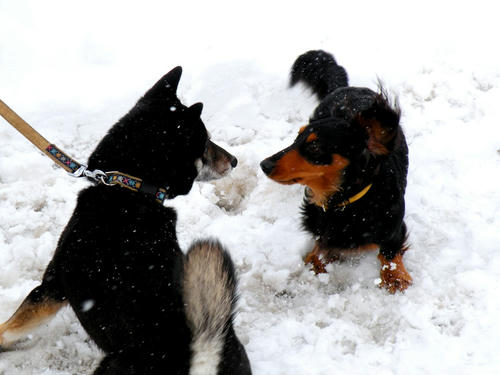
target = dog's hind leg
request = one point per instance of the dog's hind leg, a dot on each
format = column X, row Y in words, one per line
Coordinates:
column 111, row 365
column 131, row 362
column 41, row 304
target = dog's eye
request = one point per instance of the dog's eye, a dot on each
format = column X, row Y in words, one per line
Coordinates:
column 313, row 147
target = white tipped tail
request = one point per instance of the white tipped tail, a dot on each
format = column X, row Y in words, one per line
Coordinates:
column 209, row 296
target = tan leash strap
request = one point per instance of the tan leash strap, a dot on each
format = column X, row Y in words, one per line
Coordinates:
column 36, row 138
column 23, row 127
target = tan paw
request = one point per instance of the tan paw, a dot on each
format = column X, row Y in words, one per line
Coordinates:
column 393, row 274
column 3, row 341
column 317, row 262
column 318, row 258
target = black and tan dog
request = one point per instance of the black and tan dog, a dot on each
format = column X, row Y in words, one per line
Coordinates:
column 151, row 309
column 353, row 159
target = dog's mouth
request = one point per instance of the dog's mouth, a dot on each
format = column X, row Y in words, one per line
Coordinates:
column 297, row 177
column 207, row 173
column 290, row 181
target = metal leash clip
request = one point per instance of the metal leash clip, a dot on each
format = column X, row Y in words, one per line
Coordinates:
column 97, row 174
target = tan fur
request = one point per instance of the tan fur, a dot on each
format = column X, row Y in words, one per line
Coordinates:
column 312, row 137
column 394, row 274
column 27, row 317
column 319, row 257
column 322, row 180
column 378, row 137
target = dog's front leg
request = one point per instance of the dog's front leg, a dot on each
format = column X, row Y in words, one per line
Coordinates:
column 37, row 308
column 319, row 257
column 393, row 274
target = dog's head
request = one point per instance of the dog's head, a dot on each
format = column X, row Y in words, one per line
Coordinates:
column 163, row 142
column 330, row 152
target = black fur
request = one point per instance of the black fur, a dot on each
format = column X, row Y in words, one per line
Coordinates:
column 118, row 262
column 361, row 126
column 319, row 70
column 378, row 217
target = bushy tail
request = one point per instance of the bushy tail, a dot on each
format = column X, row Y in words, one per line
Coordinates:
column 319, row 70
column 210, row 297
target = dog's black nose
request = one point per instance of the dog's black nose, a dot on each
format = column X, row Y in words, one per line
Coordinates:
column 267, row 166
column 234, row 162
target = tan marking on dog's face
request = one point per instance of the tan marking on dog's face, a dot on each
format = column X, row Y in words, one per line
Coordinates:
column 302, row 128
column 323, row 180
column 312, row 137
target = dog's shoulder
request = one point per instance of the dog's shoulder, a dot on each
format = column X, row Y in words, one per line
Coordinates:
column 113, row 200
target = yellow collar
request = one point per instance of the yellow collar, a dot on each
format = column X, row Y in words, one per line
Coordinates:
column 352, row 199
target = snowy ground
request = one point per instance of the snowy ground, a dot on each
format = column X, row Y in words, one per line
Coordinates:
column 71, row 71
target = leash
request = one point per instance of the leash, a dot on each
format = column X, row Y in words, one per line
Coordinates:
column 74, row 168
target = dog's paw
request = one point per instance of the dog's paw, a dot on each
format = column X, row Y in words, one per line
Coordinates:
column 317, row 262
column 395, row 282
column 7, row 341
column 393, row 274
column 318, row 258
column 3, row 341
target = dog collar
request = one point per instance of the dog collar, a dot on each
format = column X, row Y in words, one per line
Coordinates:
column 350, row 200
column 75, row 168
column 135, row 184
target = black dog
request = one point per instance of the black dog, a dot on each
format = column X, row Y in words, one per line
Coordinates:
column 353, row 159
column 151, row 309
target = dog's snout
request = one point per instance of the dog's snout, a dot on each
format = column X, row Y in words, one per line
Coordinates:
column 267, row 166
column 216, row 163
column 234, row 162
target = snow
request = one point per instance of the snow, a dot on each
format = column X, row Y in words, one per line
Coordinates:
column 71, row 70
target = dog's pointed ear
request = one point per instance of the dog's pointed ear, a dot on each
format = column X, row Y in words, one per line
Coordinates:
column 166, row 86
column 381, row 123
column 172, row 78
column 196, row 109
